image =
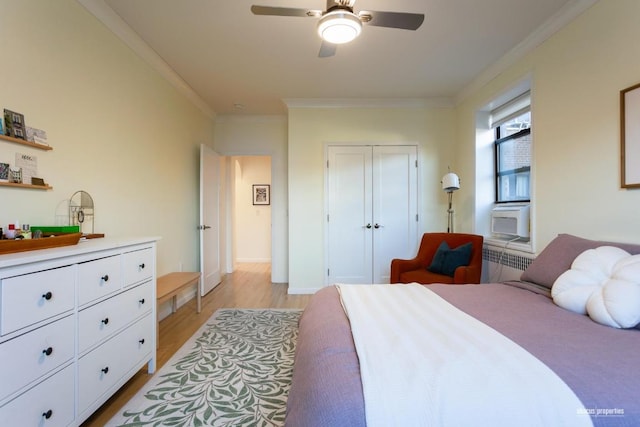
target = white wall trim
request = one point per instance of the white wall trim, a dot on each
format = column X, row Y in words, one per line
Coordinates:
column 566, row 14
column 235, row 118
column 122, row 30
column 369, row 102
column 254, row 260
column 302, row 291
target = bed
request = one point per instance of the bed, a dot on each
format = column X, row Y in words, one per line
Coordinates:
column 598, row 363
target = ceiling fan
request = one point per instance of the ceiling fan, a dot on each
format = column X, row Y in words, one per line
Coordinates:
column 339, row 24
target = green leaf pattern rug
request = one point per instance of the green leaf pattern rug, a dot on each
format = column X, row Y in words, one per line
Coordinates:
column 235, row 371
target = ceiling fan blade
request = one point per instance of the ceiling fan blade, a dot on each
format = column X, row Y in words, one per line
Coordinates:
column 401, row 20
column 284, row 11
column 327, row 49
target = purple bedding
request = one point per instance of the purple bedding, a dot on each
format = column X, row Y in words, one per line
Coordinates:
column 598, row 362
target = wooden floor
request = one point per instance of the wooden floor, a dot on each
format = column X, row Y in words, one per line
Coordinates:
column 248, row 287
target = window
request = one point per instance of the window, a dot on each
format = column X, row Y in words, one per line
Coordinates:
column 512, row 148
column 513, row 160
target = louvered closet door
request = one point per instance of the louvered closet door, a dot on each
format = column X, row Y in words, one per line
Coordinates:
column 372, row 211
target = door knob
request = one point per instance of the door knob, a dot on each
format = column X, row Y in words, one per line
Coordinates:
column 203, row 227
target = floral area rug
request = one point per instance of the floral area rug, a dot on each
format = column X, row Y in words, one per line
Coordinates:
column 235, row 371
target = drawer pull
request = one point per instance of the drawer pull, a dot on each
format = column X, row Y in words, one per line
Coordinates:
column 47, row 351
column 105, row 370
column 47, row 414
column 105, row 321
column 105, row 278
column 141, row 301
column 47, row 296
column 141, row 341
column 141, row 266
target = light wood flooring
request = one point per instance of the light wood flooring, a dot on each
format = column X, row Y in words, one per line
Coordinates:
column 248, row 287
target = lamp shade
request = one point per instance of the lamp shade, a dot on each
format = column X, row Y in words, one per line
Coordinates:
column 339, row 27
column 450, row 182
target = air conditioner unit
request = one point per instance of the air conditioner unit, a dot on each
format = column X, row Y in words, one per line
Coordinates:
column 511, row 221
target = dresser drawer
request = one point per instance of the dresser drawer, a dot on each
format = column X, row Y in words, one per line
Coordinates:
column 102, row 368
column 100, row 321
column 99, row 278
column 52, row 398
column 32, row 355
column 34, row 297
column 138, row 266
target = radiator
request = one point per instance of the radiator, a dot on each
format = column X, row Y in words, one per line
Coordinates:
column 499, row 265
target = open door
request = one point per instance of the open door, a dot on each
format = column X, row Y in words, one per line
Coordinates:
column 209, row 219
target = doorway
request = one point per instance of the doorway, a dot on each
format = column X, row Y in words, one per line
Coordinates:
column 251, row 238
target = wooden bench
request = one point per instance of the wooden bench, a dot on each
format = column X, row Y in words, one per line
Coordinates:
column 170, row 285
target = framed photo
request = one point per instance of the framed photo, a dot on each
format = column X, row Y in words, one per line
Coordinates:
column 630, row 137
column 4, row 172
column 261, row 194
column 14, row 124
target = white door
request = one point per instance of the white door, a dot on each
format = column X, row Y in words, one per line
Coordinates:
column 371, row 211
column 395, row 208
column 349, row 218
column 209, row 219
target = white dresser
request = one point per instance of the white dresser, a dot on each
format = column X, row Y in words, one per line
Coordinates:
column 76, row 323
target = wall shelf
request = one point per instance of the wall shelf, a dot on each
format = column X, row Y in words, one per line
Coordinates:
column 27, row 143
column 26, row 186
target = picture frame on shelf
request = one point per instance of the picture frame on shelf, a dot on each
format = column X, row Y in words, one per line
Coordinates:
column 4, row 172
column 15, row 175
column 630, row 137
column 261, row 194
column 14, row 125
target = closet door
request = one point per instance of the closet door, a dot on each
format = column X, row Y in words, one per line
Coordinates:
column 395, row 209
column 349, row 215
column 371, row 211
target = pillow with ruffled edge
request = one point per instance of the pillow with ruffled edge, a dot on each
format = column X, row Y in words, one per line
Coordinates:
column 603, row 283
column 446, row 260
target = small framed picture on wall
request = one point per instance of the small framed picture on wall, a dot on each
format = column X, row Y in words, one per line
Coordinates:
column 261, row 194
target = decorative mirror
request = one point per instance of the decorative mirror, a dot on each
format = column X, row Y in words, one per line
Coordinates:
column 81, row 211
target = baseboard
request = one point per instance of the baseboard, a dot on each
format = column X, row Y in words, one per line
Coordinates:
column 256, row 260
column 302, row 291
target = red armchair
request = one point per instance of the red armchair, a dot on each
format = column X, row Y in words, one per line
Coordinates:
column 415, row 270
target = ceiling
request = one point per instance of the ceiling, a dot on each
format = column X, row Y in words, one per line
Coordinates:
column 233, row 62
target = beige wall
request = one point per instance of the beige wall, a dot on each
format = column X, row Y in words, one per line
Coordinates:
column 310, row 129
column 118, row 129
column 577, row 75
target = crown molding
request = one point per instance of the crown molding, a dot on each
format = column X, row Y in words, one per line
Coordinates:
column 110, row 19
column 239, row 118
column 564, row 16
column 369, row 102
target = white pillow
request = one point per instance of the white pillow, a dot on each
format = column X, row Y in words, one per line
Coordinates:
column 603, row 283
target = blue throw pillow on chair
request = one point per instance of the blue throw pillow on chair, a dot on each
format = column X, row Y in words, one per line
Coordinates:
column 446, row 260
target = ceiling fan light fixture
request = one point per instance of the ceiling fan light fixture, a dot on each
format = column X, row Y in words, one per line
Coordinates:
column 339, row 26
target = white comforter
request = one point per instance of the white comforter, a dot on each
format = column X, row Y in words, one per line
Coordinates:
column 425, row 363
